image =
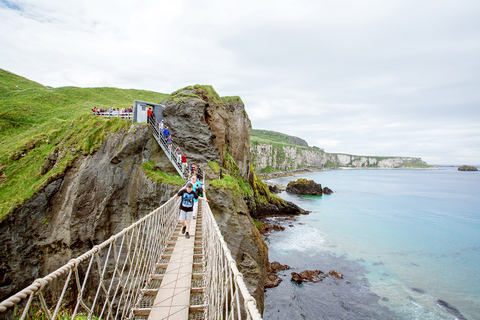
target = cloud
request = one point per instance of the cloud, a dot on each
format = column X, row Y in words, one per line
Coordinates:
column 362, row 77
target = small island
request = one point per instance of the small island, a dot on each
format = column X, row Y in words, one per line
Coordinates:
column 467, row 168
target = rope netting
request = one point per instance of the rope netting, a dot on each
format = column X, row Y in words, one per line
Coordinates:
column 104, row 282
column 107, row 281
column 226, row 295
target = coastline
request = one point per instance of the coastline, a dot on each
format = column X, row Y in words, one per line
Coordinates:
column 279, row 174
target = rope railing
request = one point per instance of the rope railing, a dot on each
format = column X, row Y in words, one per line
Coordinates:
column 226, row 295
column 104, row 282
column 171, row 151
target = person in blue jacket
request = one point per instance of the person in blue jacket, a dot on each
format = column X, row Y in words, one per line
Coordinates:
column 197, row 186
column 186, row 207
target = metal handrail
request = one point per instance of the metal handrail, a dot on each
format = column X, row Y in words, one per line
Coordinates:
column 183, row 172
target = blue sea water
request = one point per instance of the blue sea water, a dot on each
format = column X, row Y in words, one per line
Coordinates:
column 407, row 242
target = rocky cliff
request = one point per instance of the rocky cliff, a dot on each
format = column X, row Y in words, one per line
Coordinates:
column 102, row 193
column 269, row 156
column 97, row 197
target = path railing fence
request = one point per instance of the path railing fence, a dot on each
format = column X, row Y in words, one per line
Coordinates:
column 170, row 151
column 226, row 295
column 104, row 282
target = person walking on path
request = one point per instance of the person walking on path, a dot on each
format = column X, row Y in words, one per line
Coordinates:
column 197, row 187
column 184, row 164
column 186, row 207
column 179, row 155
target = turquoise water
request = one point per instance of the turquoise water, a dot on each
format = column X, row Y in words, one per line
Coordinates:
column 415, row 233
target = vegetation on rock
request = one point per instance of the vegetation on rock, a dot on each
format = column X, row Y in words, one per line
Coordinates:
column 467, row 168
column 41, row 125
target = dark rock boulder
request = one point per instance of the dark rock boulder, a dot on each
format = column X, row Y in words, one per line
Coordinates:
column 336, row 274
column 304, row 186
column 273, row 279
column 327, row 190
column 273, row 189
column 467, row 168
column 308, row 276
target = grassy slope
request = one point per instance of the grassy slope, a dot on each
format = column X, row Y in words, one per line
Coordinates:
column 36, row 120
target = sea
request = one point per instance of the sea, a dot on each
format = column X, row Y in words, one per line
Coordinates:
column 406, row 241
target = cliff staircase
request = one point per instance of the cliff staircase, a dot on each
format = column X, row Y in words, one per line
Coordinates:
column 171, row 151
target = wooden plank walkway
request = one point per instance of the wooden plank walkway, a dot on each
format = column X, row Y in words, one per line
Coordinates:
column 173, row 298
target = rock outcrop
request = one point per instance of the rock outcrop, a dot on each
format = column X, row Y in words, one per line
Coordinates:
column 309, row 276
column 97, row 197
column 278, row 157
column 467, row 168
column 273, row 279
column 304, row 186
column 207, row 126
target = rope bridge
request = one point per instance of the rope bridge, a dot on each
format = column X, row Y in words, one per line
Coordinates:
column 111, row 280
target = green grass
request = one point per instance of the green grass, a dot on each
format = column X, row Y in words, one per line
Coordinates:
column 36, row 121
column 159, row 176
column 214, row 166
column 272, row 137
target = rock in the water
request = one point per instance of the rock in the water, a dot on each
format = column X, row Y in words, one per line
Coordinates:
column 304, row 186
column 451, row 309
column 309, row 276
column 273, row 189
column 276, row 266
column 467, row 168
column 327, row 190
column 273, row 279
column 335, row 274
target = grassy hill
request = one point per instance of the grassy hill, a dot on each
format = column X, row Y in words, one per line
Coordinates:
column 36, row 121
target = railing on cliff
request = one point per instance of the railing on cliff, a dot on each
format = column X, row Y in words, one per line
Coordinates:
column 171, row 151
column 106, row 282
column 225, row 291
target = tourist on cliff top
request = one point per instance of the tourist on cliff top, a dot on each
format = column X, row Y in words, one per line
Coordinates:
column 150, row 113
column 186, row 207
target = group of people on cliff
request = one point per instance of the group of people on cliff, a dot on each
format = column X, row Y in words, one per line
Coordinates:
column 177, row 155
column 112, row 112
column 193, row 188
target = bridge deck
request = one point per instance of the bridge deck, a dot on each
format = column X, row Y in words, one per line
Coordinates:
column 173, row 298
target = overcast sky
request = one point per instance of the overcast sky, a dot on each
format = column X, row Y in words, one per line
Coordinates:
column 379, row 77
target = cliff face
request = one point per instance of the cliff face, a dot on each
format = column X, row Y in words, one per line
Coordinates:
column 289, row 158
column 105, row 192
column 207, row 126
column 96, row 198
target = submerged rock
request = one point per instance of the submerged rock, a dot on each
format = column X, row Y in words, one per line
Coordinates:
column 273, row 279
column 309, row 276
column 451, row 309
column 336, row 274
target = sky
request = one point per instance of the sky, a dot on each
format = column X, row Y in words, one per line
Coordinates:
column 365, row 77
